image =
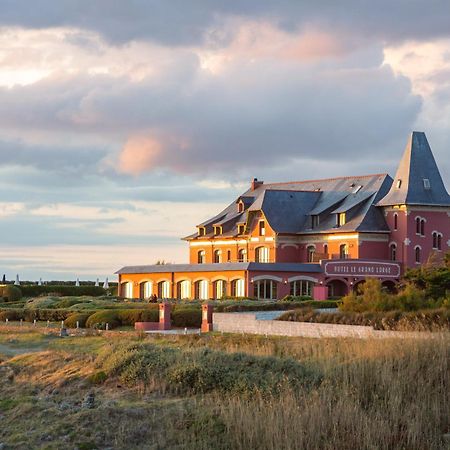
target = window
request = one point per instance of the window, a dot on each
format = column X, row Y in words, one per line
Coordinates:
column 325, row 250
column 417, row 251
column 437, row 240
column 310, row 250
column 395, row 221
column 301, row 288
column 242, row 255
column 164, row 289
column 238, row 288
column 217, row 256
column 399, row 183
column 228, row 255
column 127, row 289
column 217, row 230
column 426, row 184
column 241, row 229
column 314, row 221
column 422, row 227
column 357, row 189
column 393, row 252
column 201, row 290
column 265, row 289
column 340, row 219
column 146, row 289
column 184, row 290
column 241, row 206
column 262, row 255
column 262, row 228
column 343, row 251
column 417, row 225
column 220, row 289
column 201, row 231
column 201, row 257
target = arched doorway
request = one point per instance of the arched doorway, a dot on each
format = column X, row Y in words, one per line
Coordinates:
column 164, row 289
column 126, row 289
column 202, row 290
column 184, row 290
column 337, row 288
column 146, row 289
column 220, row 289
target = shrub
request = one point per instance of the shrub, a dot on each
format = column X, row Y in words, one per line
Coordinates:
column 130, row 316
column 202, row 370
column 54, row 315
column 81, row 318
column 10, row 293
column 186, row 317
column 11, row 314
column 99, row 320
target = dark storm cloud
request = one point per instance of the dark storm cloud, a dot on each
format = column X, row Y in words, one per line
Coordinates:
column 181, row 22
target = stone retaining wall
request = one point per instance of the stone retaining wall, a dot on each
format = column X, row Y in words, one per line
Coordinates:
column 247, row 323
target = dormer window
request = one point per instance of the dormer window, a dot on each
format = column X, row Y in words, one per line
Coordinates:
column 201, row 231
column 262, row 228
column 217, row 230
column 426, row 184
column 356, row 189
column 241, row 206
column 241, row 229
column 340, row 219
column 399, row 183
column 314, row 221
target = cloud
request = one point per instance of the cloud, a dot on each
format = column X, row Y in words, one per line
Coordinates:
column 180, row 23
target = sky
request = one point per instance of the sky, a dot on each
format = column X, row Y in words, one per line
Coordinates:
column 125, row 124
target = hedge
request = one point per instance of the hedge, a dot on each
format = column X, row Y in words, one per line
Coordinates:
column 276, row 306
column 10, row 293
column 424, row 320
column 186, row 317
column 36, row 291
column 11, row 314
column 81, row 318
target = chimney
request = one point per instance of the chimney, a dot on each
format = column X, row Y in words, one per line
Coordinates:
column 256, row 183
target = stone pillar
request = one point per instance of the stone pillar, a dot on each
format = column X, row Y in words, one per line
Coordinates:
column 164, row 316
column 207, row 318
column 320, row 292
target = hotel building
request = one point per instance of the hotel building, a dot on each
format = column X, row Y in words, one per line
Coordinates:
column 315, row 238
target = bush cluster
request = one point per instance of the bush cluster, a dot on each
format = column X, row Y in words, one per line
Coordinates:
column 372, row 297
column 186, row 317
column 202, row 370
column 10, row 293
column 423, row 320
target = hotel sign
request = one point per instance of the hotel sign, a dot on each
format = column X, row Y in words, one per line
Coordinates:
column 362, row 269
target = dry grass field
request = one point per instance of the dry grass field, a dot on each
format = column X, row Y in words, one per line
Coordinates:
column 125, row 391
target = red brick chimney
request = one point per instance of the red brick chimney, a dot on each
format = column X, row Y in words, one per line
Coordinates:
column 256, row 183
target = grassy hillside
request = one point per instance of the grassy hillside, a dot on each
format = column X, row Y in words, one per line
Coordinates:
column 222, row 392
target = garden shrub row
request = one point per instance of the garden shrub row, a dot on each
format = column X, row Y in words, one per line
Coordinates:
column 62, row 290
column 423, row 320
column 275, row 306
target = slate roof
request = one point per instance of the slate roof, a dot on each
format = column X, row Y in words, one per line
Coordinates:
column 417, row 164
column 288, row 206
column 223, row 267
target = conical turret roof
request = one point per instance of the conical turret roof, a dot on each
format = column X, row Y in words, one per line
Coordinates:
column 417, row 181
